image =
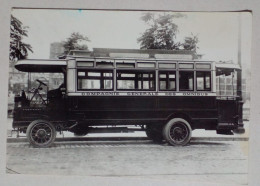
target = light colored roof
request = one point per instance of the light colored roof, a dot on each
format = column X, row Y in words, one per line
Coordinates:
column 228, row 65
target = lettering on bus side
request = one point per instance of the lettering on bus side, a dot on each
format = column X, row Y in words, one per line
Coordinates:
column 170, row 94
column 100, row 94
column 120, row 94
column 195, row 94
column 142, row 93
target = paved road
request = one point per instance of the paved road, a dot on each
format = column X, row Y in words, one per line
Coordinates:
column 222, row 161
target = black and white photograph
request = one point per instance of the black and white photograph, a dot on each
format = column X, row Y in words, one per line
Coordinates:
column 158, row 95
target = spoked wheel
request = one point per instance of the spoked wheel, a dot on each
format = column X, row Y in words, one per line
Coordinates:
column 154, row 133
column 177, row 132
column 41, row 133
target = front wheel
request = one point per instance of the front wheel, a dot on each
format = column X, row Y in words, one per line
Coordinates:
column 41, row 133
column 177, row 132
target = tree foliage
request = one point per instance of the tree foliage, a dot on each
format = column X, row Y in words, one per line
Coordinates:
column 190, row 43
column 162, row 31
column 18, row 49
column 74, row 42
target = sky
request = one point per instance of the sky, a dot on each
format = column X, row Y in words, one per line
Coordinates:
column 217, row 31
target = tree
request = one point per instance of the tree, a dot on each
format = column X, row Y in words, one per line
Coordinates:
column 73, row 42
column 18, row 49
column 190, row 43
column 161, row 33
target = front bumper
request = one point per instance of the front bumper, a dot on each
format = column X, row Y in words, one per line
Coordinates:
column 239, row 130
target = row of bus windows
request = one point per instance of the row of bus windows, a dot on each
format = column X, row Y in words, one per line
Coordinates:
column 162, row 65
column 143, row 80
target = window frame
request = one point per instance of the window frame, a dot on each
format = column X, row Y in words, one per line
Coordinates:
column 186, row 68
column 101, row 78
column 204, row 79
column 136, row 79
column 167, row 79
column 193, row 82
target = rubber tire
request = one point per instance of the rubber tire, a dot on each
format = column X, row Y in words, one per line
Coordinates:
column 169, row 125
column 35, row 144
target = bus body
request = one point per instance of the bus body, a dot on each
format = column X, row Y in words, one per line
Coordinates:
column 164, row 97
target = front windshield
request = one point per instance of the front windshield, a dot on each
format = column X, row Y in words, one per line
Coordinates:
column 52, row 80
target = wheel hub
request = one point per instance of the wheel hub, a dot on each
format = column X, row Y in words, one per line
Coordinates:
column 178, row 131
column 41, row 133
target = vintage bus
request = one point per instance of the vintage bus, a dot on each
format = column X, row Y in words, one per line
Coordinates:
column 166, row 98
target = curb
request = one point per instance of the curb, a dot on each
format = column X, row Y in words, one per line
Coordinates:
column 66, row 139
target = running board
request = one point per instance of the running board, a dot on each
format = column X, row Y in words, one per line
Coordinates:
column 113, row 130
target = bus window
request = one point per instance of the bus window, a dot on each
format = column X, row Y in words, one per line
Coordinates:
column 203, row 66
column 130, row 80
column 167, row 81
column 203, row 81
column 167, row 65
column 85, row 64
column 95, row 80
column 125, row 65
column 125, row 80
column 145, row 65
column 105, row 64
column 186, row 66
column 186, row 79
column 226, row 82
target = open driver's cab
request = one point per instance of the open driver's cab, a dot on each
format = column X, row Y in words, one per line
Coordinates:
column 34, row 97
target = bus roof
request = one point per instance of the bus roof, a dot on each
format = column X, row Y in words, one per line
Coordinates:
column 39, row 65
column 48, row 65
column 228, row 65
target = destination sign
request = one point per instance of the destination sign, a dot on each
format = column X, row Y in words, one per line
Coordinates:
column 141, row 94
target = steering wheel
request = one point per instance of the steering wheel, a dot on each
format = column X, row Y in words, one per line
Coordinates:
column 41, row 82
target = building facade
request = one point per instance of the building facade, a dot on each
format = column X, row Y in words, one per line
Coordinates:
column 56, row 49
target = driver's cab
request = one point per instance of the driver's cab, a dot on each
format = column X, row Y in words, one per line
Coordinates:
column 46, row 80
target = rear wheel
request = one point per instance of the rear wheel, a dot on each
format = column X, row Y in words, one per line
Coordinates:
column 177, row 132
column 41, row 133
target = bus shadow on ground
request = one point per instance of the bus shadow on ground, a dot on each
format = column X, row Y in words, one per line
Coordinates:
column 207, row 143
column 147, row 143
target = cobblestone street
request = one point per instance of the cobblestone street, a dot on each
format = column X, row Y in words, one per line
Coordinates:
column 200, row 161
